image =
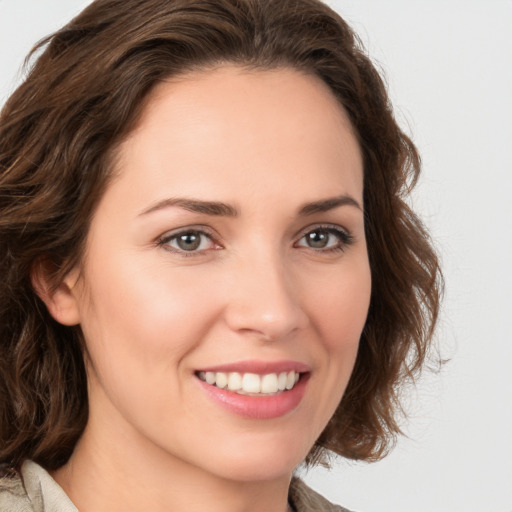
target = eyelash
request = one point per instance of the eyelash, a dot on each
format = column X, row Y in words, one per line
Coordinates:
column 165, row 241
column 345, row 239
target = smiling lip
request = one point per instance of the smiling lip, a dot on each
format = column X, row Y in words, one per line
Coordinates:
column 258, row 406
column 259, row 367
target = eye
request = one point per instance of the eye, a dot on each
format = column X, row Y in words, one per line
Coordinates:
column 188, row 241
column 325, row 238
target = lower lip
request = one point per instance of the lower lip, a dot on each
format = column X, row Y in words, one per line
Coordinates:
column 258, row 407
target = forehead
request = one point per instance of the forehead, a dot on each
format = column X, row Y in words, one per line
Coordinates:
column 247, row 95
column 231, row 125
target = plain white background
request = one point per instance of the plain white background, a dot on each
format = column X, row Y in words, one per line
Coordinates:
column 449, row 69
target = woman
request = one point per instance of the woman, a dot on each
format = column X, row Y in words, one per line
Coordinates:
column 210, row 274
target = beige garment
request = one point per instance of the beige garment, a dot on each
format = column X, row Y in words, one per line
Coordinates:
column 304, row 499
column 37, row 491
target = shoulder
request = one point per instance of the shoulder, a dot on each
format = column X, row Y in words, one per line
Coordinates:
column 13, row 496
column 304, row 499
column 33, row 490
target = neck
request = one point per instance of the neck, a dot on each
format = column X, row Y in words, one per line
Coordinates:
column 129, row 476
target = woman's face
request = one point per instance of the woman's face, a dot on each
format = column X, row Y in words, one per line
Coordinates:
column 229, row 251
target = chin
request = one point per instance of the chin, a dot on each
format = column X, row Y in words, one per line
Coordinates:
column 261, row 460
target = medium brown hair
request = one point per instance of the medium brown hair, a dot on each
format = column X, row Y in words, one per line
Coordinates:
column 58, row 135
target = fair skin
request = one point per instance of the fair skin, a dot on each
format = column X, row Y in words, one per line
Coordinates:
column 274, row 280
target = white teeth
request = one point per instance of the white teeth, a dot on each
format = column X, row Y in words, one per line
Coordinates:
column 290, row 380
column 221, row 380
column 251, row 383
column 269, row 383
column 281, row 381
column 234, row 381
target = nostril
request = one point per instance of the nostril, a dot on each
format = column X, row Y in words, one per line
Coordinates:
column 266, row 323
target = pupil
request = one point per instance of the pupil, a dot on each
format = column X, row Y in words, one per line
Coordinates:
column 318, row 239
column 189, row 241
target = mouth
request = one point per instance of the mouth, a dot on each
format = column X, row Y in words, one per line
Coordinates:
column 258, row 390
column 252, row 384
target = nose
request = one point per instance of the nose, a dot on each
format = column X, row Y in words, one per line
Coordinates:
column 264, row 300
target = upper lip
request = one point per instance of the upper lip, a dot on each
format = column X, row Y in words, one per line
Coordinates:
column 258, row 367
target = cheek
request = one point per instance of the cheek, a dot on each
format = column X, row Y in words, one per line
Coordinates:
column 338, row 307
column 341, row 306
column 146, row 321
column 139, row 332
column 340, row 314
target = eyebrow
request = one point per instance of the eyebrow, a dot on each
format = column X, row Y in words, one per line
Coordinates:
column 218, row 208
column 324, row 205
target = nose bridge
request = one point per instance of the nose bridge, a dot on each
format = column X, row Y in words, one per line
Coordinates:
column 264, row 299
